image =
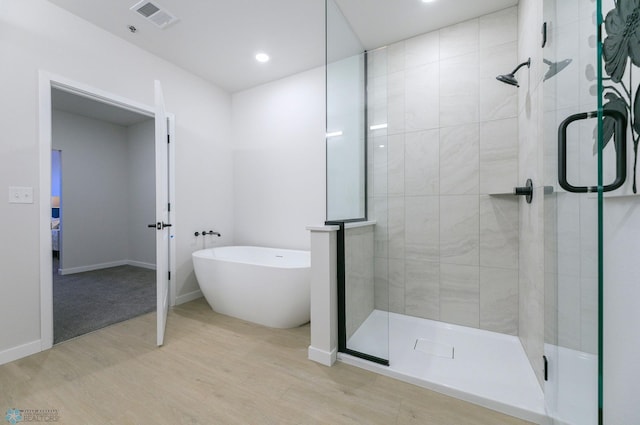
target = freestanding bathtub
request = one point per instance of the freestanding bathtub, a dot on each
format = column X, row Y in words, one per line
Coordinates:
column 268, row 286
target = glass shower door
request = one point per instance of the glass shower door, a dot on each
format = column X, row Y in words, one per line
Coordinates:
column 572, row 154
column 588, row 108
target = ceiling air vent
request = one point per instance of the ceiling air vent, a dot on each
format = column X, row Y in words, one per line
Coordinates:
column 155, row 13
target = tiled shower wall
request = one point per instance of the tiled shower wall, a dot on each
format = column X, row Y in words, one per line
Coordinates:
column 532, row 216
column 359, row 267
column 446, row 239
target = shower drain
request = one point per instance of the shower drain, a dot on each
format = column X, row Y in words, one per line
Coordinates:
column 433, row 348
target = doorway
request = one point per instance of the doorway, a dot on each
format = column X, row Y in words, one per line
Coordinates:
column 114, row 188
column 104, row 270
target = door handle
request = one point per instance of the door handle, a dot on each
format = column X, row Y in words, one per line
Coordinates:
column 159, row 225
column 620, row 141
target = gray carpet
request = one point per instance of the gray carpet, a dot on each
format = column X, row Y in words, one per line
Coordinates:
column 85, row 302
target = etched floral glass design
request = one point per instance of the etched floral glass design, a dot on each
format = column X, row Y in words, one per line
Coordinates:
column 621, row 51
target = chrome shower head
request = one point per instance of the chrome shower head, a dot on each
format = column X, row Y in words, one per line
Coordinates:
column 555, row 67
column 511, row 78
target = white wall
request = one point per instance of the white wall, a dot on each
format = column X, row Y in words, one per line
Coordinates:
column 94, row 190
column 36, row 35
column 279, row 159
column 108, row 195
column 141, row 183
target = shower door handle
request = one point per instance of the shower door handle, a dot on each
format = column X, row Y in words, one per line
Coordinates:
column 620, row 141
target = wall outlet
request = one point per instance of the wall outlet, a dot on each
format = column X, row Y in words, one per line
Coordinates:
column 20, row 195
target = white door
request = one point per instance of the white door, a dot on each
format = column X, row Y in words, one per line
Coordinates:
column 162, row 213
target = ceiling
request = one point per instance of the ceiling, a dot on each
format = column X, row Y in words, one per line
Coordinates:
column 91, row 108
column 382, row 22
column 218, row 39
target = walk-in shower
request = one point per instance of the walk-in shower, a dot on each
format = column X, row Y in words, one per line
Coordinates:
column 445, row 278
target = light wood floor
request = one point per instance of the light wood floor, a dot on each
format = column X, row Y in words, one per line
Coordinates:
column 216, row 370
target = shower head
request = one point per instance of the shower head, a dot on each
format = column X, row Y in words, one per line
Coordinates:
column 555, row 67
column 511, row 78
column 508, row 79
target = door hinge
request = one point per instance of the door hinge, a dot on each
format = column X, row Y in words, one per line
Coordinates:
column 169, row 207
column 169, row 275
column 168, row 138
column 545, row 363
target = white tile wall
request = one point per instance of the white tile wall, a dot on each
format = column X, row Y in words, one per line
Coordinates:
column 397, row 226
column 421, row 50
column 460, row 294
column 421, row 163
column 459, row 39
column 499, row 156
column 498, row 28
column 395, row 164
column 422, row 289
column 421, row 97
column 499, row 232
column 499, row 300
column 460, row 230
column 422, row 227
column 460, row 160
column 497, row 100
column 445, row 249
column 359, row 274
column 459, row 89
column 396, row 100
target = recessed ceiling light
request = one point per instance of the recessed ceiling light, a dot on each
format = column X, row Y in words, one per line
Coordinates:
column 428, row 1
column 262, row 57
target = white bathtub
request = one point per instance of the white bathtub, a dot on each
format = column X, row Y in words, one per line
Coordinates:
column 268, row 286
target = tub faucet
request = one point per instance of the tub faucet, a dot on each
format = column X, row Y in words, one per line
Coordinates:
column 210, row 232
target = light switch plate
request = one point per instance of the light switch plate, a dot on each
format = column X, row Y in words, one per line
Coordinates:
column 20, row 195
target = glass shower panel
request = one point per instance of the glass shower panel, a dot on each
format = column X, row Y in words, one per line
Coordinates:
column 366, row 295
column 362, row 280
column 345, row 72
column 588, row 109
column 367, row 247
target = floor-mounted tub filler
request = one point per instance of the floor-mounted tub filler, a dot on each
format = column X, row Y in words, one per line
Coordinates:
column 267, row 286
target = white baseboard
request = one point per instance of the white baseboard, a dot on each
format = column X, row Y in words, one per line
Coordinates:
column 141, row 264
column 20, row 351
column 188, row 297
column 92, row 267
column 327, row 358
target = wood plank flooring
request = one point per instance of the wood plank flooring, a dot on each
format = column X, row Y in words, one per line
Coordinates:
column 216, row 370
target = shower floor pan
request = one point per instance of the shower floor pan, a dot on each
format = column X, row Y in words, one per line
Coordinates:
column 486, row 368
